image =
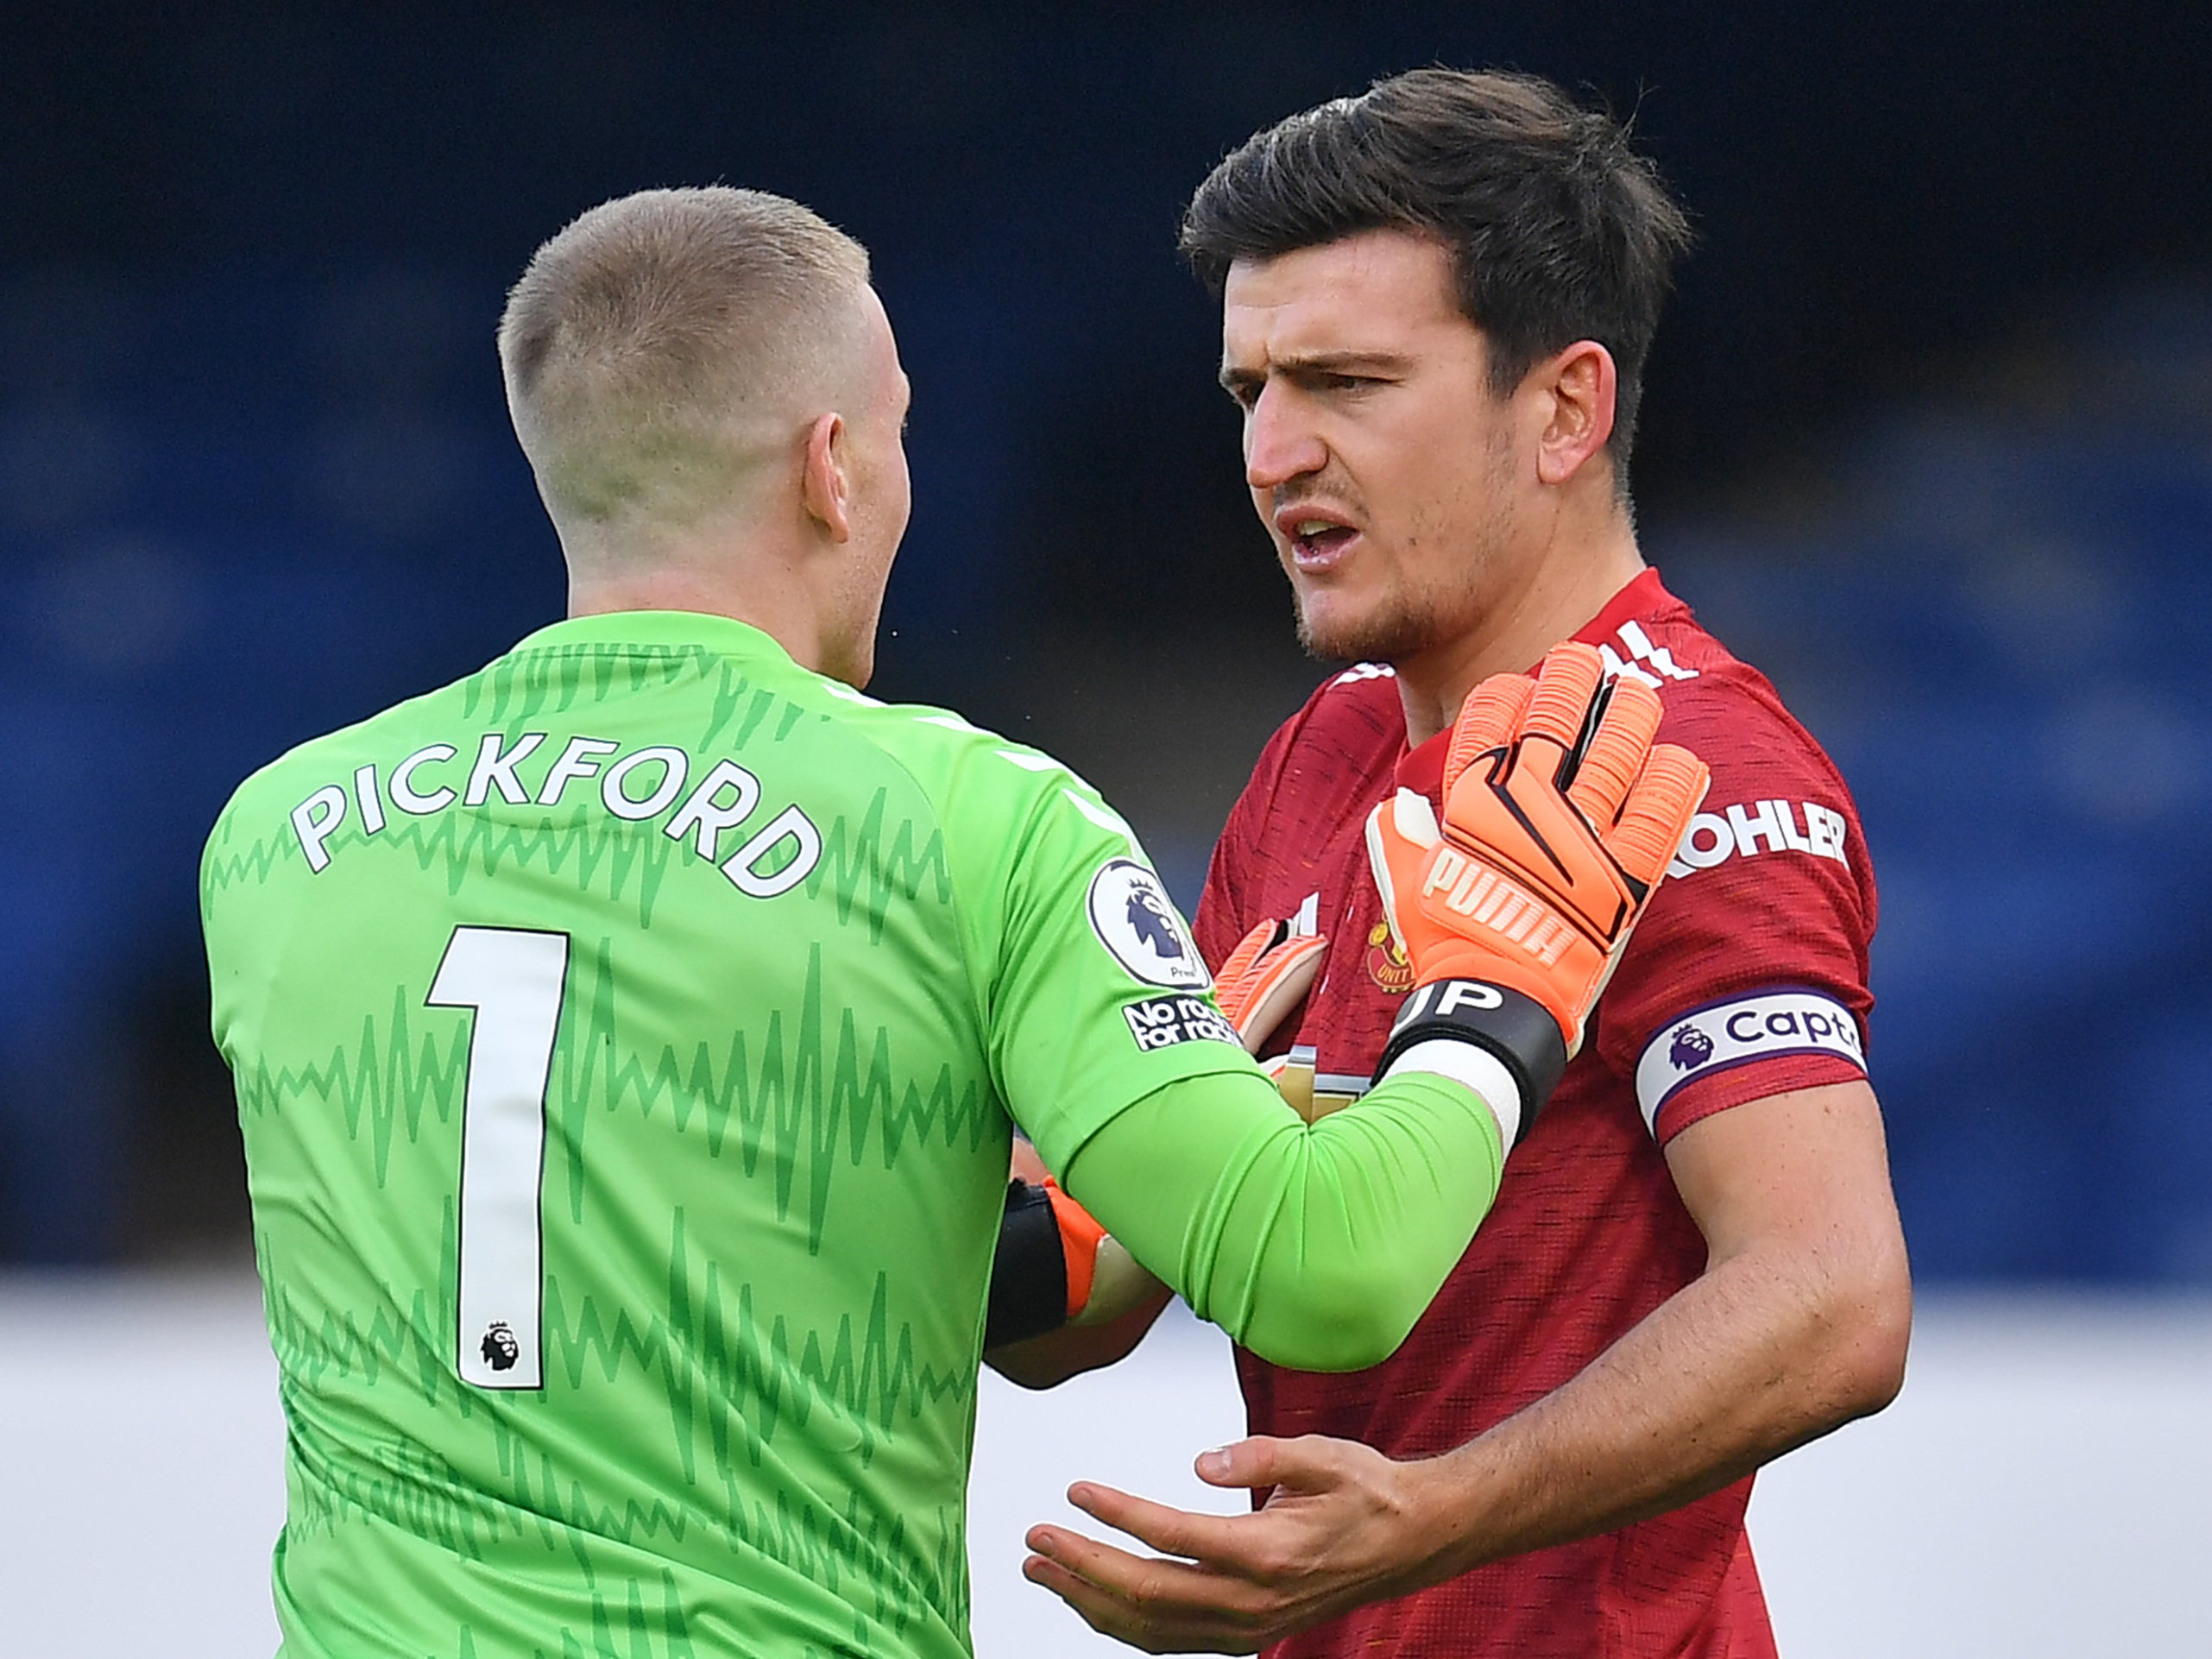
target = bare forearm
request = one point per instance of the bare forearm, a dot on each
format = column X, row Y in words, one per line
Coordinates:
column 1764, row 1351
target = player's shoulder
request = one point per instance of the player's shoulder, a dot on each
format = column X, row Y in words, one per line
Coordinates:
column 264, row 827
column 1357, row 706
column 937, row 745
column 1715, row 702
column 1319, row 766
column 330, row 758
column 1775, row 788
column 966, row 771
column 1353, row 726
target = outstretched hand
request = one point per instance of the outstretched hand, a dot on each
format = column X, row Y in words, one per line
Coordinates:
column 1342, row 1527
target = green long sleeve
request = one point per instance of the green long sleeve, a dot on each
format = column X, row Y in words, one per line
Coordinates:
column 1316, row 1246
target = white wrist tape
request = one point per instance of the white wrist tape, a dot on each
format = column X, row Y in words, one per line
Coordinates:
column 1478, row 1069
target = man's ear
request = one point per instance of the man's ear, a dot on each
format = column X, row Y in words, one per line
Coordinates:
column 1580, row 385
column 824, row 485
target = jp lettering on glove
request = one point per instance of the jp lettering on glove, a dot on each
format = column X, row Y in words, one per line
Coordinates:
column 1560, row 813
column 1055, row 1265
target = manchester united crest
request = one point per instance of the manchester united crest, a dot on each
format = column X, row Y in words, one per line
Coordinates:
column 1386, row 963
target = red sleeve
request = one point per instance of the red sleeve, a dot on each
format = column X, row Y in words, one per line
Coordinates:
column 1747, row 975
column 1225, row 905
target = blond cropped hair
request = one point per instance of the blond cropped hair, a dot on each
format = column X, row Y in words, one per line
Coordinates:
column 664, row 344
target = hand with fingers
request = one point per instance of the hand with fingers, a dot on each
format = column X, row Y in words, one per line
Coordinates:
column 1560, row 814
column 1342, row 1526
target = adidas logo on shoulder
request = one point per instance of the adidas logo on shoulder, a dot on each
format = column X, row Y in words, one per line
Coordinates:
column 1652, row 663
column 1630, row 653
column 1360, row 671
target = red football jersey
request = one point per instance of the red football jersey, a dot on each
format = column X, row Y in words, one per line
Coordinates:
column 1746, row 978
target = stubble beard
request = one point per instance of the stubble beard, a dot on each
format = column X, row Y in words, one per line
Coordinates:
column 1407, row 623
column 1418, row 616
column 1407, row 628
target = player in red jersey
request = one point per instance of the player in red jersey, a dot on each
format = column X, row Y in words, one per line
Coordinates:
column 1438, row 299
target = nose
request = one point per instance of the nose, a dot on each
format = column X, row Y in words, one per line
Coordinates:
column 1279, row 444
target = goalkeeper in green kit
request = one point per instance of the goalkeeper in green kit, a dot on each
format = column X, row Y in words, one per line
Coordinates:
column 630, row 1036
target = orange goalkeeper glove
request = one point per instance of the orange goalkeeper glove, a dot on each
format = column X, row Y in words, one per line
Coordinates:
column 1262, row 980
column 1056, row 1266
column 1264, row 977
column 1560, row 814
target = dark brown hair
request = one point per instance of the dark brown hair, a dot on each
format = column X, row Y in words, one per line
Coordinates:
column 1559, row 231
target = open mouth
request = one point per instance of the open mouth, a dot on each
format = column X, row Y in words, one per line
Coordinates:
column 1316, row 543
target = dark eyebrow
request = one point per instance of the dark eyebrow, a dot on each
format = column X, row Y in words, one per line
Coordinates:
column 1307, row 364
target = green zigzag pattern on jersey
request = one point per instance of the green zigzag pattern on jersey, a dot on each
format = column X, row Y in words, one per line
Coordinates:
column 879, row 1370
column 410, row 1488
column 222, row 869
column 644, row 1635
column 524, row 685
column 553, row 679
column 795, row 1101
column 312, row 1346
column 470, row 843
column 853, row 858
column 639, row 1628
column 860, row 871
column 857, row 866
column 751, row 1379
column 518, row 688
column 386, row 1081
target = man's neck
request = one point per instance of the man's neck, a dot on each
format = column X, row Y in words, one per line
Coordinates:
column 1561, row 592
column 767, row 594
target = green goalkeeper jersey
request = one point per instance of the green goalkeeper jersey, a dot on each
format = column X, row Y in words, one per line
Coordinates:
column 627, row 1041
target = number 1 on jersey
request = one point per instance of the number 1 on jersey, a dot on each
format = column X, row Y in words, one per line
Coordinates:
column 513, row 979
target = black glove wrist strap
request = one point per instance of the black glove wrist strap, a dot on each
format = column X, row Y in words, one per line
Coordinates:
column 1029, row 1271
column 1517, row 1029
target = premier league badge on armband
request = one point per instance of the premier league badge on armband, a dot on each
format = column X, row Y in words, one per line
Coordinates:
column 1737, row 1031
column 1137, row 923
column 1691, row 1048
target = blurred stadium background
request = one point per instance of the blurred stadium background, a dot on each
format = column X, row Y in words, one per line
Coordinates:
column 1929, row 437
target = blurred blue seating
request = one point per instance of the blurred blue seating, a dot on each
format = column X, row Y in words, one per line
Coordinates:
column 1998, row 622
column 222, row 506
